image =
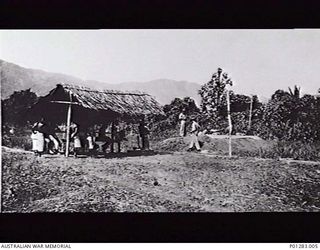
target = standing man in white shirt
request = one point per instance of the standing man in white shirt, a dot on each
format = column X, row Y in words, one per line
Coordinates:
column 183, row 118
column 195, row 129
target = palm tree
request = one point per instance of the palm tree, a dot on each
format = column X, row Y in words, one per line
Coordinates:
column 295, row 112
column 295, row 92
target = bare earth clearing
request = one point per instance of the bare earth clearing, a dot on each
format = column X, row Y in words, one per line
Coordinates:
column 168, row 182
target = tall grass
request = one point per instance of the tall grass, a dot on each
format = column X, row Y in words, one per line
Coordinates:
column 298, row 150
column 284, row 149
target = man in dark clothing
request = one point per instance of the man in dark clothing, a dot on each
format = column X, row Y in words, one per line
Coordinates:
column 144, row 132
column 50, row 135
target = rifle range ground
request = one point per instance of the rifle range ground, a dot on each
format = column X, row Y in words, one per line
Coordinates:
column 175, row 181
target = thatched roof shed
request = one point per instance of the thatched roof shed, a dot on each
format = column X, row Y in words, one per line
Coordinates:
column 89, row 102
column 130, row 103
column 70, row 103
column 133, row 103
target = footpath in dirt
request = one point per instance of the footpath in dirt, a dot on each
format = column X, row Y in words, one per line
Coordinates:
column 171, row 182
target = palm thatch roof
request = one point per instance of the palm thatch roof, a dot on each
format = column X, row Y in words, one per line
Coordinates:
column 124, row 103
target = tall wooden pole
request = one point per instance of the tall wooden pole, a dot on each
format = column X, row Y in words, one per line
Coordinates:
column 229, row 121
column 112, row 137
column 1, row 183
column 250, row 113
column 68, row 127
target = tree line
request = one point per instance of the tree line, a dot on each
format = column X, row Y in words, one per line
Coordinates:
column 286, row 116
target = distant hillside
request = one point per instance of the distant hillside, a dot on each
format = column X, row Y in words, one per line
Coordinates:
column 15, row 78
column 164, row 90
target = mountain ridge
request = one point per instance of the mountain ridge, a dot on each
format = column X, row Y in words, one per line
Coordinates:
column 16, row 78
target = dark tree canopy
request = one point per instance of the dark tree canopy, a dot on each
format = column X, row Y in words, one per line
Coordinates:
column 212, row 92
column 287, row 116
column 177, row 105
column 162, row 125
column 239, row 103
column 16, row 108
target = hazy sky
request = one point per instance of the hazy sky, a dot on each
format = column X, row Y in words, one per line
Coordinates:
column 259, row 61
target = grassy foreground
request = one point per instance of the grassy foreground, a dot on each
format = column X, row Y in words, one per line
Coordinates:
column 177, row 182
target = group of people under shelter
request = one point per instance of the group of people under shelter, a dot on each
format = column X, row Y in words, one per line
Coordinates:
column 90, row 140
column 51, row 138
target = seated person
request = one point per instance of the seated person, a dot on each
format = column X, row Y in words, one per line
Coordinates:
column 103, row 139
column 52, row 139
column 91, row 142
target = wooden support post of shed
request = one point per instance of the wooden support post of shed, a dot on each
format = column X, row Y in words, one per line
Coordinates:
column 112, row 137
column 68, row 126
column 70, row 103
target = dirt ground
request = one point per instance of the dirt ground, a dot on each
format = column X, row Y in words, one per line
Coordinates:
column 167, row 182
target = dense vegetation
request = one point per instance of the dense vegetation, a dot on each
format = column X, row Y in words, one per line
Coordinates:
column 288, row 117
column 16, row 108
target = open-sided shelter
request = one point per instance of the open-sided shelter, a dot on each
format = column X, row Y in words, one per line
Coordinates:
column 87, row 106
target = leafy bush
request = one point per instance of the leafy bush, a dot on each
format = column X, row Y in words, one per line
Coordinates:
column 168, row 125
column 19, row 139
column 290, row 118
column 16, row 108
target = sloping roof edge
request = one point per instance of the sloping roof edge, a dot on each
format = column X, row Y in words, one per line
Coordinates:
column 132, row 103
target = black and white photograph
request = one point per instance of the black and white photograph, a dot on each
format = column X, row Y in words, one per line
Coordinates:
column 167, row 120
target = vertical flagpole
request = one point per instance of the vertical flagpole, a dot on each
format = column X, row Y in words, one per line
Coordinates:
column 68, row 127
column 250, row 113
column 1, row 182
column 229, row 121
